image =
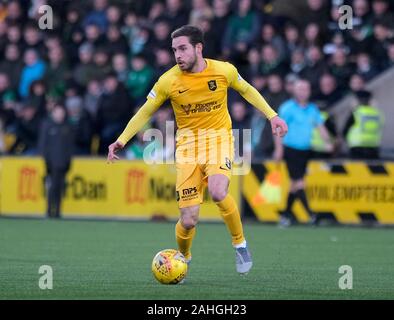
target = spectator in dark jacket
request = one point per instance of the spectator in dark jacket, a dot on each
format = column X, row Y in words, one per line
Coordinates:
column 56, row 146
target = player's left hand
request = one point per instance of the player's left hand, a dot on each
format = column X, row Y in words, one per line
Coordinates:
column 279, row 127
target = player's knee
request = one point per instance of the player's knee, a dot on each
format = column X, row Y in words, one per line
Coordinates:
column 189, row 221
column 218, row 194
column 189, row 217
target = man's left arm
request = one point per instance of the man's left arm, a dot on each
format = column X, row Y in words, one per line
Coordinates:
column 250, row 94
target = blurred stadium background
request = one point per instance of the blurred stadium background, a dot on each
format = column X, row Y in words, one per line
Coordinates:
column 101, row 59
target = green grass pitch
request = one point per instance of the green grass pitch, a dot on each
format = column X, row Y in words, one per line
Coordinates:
column 112, row 259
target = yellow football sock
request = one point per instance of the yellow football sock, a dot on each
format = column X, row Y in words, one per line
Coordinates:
column 230, row 213
column 184, row 238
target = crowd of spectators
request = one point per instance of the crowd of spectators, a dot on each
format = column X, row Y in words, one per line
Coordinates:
column 102, row 57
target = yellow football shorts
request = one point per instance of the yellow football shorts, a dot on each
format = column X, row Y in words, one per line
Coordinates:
column 193, row 171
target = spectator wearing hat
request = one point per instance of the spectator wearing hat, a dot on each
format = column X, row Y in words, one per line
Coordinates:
column 363, row 129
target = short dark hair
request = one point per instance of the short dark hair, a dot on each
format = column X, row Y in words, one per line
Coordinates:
column 194, row 34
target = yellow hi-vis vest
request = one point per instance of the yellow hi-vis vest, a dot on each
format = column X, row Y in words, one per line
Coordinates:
column 367, row 128
column 317, row 142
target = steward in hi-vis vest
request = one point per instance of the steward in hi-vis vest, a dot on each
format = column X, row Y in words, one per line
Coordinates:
column 363, row 130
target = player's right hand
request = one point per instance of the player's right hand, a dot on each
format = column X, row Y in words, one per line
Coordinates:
column 112, row 149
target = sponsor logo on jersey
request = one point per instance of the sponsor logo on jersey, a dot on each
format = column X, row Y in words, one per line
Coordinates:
column 200, row 107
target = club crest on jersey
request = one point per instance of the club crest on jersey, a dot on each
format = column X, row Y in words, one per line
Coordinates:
column 212, row 85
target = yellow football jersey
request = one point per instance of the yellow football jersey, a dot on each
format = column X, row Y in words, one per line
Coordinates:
column 199, row 100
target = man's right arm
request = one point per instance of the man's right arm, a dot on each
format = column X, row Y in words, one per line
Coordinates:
column 137, row 122
column 155, row 99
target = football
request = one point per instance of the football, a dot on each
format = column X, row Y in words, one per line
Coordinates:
column 169, row 266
